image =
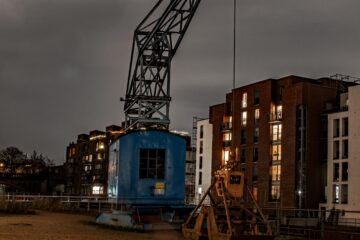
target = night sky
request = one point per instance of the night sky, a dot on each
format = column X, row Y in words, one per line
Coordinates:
column 64, row 63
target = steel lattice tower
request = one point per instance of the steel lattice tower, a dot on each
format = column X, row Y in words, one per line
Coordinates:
column 155, row 42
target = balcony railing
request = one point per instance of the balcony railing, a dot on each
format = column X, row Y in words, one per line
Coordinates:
column 227, row 143
column 226, row 126
column 274, row 117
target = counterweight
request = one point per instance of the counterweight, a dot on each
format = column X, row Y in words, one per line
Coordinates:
column 155, row 43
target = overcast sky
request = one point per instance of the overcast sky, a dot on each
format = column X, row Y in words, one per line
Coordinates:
column 64, row 63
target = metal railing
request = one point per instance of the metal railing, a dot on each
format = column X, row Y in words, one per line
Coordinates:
column 85, row 203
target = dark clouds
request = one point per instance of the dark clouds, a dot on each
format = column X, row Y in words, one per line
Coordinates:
column 63, row 64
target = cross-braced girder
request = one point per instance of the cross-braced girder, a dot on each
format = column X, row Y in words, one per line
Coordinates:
column 155, row 42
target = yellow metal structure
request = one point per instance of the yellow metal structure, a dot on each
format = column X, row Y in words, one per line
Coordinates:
column 232, row 214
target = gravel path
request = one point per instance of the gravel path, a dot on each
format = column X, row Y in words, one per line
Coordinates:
column 58, row 226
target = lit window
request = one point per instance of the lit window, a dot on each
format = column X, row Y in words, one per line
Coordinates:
column 243, row 118
column 257, row 116
column 199, row 190
column 276, row 113
column 226, row 156
column 244, row 100
column 97, row 190
column 275, row 192
column 90, row 157
column 275, row 172
column 279, row 112
column 227, row 136
column 276, row 152
column 276, row 132
column 100, row 146
column 255, row 193
column 100, row 156
column 336, row 193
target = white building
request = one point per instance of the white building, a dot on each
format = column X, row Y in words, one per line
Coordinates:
column 343, row 178
column 203, row 158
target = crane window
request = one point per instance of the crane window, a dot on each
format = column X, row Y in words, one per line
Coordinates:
column 235, row 179
column 152, row 163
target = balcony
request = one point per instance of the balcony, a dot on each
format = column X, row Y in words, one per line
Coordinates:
column 226, row 126
column 227, row 143
column 275, row 117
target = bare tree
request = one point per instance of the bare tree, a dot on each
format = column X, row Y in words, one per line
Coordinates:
column 12, row 156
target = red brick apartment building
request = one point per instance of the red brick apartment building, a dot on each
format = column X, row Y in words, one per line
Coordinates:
column 87, row 162
column 274, row 129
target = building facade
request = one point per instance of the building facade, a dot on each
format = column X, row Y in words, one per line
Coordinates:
column 272, row 129
column 203, row 158
column 87, row 162
column 343, row 192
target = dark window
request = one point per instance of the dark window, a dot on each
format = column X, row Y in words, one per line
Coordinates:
column 336, row 150
column 201, row 147
column 235, row 179
column 200, row 162
column 201, row 131
column 324, row 149
column 256, row 98
column 281, row 91
column 256, row 155
column 345, row 149
column 256, row 135
column 243, row 137
column 336, row 127
column 200, row 178
column 344, row 194
column 255, row 173
column 242, row 156
column 345, row 129
column 152, row 163
column 344, row 171
column 336, row 172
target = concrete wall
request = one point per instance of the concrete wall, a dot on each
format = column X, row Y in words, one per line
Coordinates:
column 206, row 169
column 353, row 159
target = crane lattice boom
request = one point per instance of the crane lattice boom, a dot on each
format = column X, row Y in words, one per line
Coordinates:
column 155, row 42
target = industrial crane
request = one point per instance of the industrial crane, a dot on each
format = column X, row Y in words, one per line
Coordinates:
column 155, row 43
column 147, row 102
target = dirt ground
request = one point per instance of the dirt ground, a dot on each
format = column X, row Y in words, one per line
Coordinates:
column 58, row 226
